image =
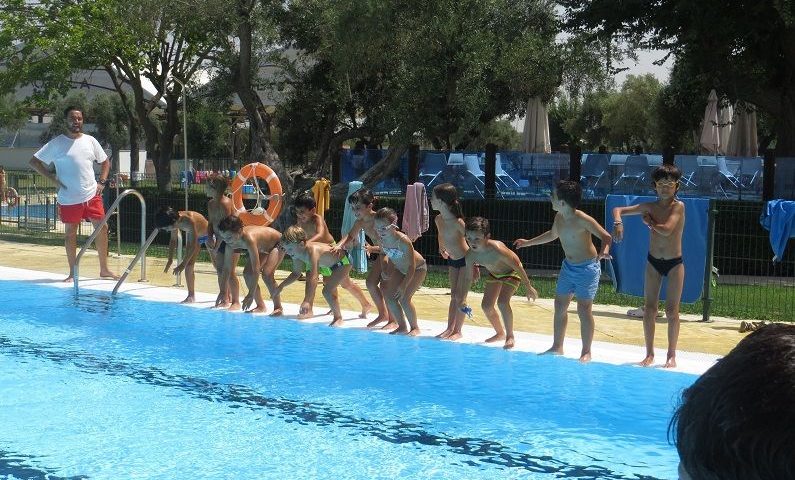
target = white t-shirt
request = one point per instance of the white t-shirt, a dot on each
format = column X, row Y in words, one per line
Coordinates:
column 74, row 158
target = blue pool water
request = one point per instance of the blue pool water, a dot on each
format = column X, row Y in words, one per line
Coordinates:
column 33, row 211
column 103, row 387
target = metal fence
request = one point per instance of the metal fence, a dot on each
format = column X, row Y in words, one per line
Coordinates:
column 748, row 285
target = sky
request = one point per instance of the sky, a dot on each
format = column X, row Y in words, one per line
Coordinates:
column 645, row 65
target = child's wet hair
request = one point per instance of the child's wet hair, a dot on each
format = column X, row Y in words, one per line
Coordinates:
column 305, row 200
column 218, row 183
column 570, row 192
column 666, row 171
column 448, row 194
column 363, row 196
column 165, row 217
column 477, row 224
column 386, row 214
column 294, row 234
column 230, row 224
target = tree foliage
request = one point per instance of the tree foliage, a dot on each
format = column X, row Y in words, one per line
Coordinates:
column 388, row 71
column 745, row 50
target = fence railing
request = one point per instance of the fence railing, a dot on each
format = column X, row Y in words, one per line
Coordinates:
column 748, row 285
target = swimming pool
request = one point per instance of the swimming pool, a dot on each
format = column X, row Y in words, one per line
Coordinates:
column 103, row 387
column 33, row 211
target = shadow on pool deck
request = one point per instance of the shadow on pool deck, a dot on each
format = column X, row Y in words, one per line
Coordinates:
column 612, row 323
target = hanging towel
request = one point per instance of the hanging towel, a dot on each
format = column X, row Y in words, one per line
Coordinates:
column 356, row 253
column 778, row 217
column 322, row 192
column 416, row 216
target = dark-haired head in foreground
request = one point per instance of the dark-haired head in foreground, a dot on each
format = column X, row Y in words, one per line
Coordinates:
column 737, row 421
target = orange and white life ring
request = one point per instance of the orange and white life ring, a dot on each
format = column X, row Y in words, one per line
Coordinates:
column 258, row 216
column 12, row 198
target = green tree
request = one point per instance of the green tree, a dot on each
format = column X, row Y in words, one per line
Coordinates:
column 111, row 120
column 745, row 50
column 134, row 42
column 209, row 130
column 630, row 115
column 435, row 69
column 13, row 114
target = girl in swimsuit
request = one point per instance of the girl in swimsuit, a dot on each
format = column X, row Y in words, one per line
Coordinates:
column 452, row 247
column 404, row 274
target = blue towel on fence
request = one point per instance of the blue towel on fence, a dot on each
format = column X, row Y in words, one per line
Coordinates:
column 356, row 254
column 629, row 256
column 778, row 217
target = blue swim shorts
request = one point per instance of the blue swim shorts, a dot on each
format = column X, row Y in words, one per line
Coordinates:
column 581, row 279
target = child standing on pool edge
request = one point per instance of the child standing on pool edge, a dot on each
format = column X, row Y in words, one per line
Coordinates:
column 505, row 274
column 362, row 202
column 666, row 220
column 403, row 273
column 580, row 271
column 452, row 247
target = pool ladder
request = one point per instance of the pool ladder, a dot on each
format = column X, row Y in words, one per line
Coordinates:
column 141, row 252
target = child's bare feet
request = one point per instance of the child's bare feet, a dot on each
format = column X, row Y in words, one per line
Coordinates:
column 509, row 343
column 399, row 331
column 496, row 338
column 221, row 305
column 257, row 310
column 305, row 315
column 277, row 312
column 585, row 357
column 414, row 332
column 390, row 324
column 647, row 361
column 69, row 279
column 670, row 363
column 378, row 319
column 553, row 351
column 189, row 299
column 337, row 322
column 454, row 336
column 235, row 307
column 444, row 334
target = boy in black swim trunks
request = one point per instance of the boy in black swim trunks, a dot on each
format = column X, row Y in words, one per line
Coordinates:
column 666, row 220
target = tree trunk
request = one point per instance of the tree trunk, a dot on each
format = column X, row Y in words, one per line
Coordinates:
column 381, row 170
column 135, row 162
column 259, row 147
column 785, row 131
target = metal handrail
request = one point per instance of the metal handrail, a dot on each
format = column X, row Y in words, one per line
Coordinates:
column 141, row 253
column 129, row 191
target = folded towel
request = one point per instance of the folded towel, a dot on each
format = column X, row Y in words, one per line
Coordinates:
column 356, row 253
column 778, row 217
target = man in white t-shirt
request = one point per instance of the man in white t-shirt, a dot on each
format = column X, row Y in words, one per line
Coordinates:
column 79, row 195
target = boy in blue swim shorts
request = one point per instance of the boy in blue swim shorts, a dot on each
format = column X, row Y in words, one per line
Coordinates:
column 580, row 272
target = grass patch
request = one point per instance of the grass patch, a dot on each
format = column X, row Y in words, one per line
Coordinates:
column 758, row 302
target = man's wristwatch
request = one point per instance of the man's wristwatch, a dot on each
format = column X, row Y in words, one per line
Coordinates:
column 102, row 182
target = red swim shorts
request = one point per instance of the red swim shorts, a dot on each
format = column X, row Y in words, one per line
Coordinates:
column 90, row 210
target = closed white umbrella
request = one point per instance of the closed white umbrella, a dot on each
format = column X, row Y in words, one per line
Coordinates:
column 726, row 117
column 743, row 140
column 710, row 132
column 536, row 128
